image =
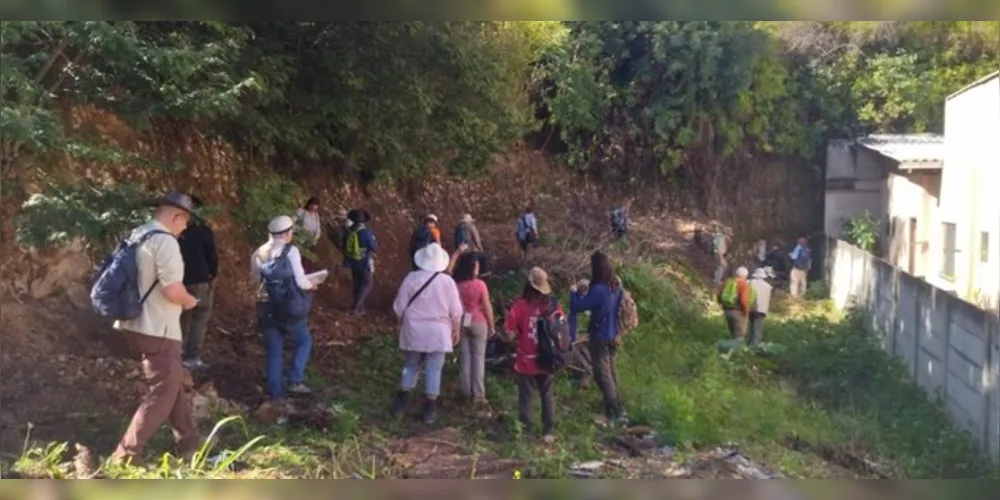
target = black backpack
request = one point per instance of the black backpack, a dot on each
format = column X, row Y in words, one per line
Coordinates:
column 553, row 339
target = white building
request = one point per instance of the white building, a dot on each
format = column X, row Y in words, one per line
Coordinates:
column 966, row 251
column 896, row 178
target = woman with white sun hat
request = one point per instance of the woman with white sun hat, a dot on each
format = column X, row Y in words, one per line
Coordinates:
column 430, row 313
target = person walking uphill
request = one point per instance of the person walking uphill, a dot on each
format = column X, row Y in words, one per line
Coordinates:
column 283, row 304
column 527, row 233
column 521, row 326
column 602, row 302
column 424, row 234
column 359, row 257
column 736, row 297
column 142, row 288
column 801, row 264
column 758, row 309
column 466, row 233
column 201, row 266
column 477, row 326
column 430, row 312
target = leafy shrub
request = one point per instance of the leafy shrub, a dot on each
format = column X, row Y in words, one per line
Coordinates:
column 100, row 216
column 862, row 231
column 269, row 196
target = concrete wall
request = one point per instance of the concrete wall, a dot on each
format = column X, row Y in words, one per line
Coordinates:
column 951, row 347
column 864, row 175
column 970, row 177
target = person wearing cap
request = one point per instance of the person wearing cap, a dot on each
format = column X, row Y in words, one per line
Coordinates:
column 424, row 234
column 758, row 309
column 736, row 297
column 430, row 313
column 520, row 327
column 801, row 258
column 360, row 258
column 467, row 233
column 156, row 333
column 201, row 266
column 601, row 299
column 279, row 246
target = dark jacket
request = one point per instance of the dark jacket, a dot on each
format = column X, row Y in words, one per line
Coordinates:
column 602, row 302
column 201, row 260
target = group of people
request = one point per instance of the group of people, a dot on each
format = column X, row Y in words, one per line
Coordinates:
column 745, row 299
column 157, row 287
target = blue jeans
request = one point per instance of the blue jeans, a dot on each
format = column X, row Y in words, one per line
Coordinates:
column 433, row 364
column 274, row 342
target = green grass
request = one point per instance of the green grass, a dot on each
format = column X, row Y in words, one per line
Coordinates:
column 823, row 385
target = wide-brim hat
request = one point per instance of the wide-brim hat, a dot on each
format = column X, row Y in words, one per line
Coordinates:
column 432, row 258
column 176, row 199
column 539, row 280
column 467, row 219
column 431, row 217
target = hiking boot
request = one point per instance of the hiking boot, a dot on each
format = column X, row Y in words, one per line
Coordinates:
column 399, row 404
column 299, row 388
column 194, row 364
column 622, row 419
column 548, row 438
column 430, row 411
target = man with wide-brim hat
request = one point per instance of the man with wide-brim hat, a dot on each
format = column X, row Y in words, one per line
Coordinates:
column 176, row 199
column 156, row 333
column 201, row 266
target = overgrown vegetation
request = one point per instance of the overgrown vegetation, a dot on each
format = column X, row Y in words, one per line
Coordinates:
column 688, row 102
column 822, row 396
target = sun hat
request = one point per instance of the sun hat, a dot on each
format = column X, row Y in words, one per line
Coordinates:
column 432, row 258
column 431, row 217
column 539, row 280
column 467, row 218
column 742, row 272
column 280, row 224
column 177, row 199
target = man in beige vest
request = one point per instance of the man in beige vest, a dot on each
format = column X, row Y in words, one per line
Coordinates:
column 156, row 332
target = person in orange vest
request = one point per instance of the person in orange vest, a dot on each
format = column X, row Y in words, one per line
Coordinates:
column 736, row 297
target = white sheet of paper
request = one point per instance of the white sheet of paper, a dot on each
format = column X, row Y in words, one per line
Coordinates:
column 318, row 277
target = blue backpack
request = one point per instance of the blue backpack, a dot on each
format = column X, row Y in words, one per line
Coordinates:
column 461, row 235
column 286, row 302
column 115, row 292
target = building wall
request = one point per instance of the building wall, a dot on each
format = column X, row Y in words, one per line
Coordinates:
column 969, row 195
column 950, row 347
column 862, row 176
column 913, row 198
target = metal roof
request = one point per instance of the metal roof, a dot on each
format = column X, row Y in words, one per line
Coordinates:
column 906, row 148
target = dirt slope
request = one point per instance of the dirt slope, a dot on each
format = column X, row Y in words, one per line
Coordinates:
column 66, row 373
